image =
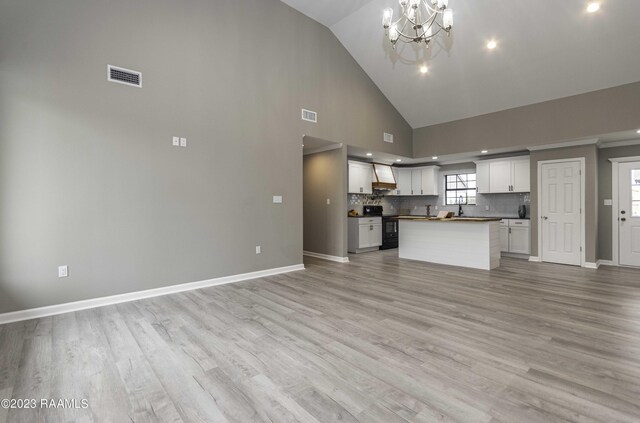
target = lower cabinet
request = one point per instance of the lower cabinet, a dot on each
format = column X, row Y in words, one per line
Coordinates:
column 364, row 234
column 515, row 236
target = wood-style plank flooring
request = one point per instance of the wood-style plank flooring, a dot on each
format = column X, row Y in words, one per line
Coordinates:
column 376, row 340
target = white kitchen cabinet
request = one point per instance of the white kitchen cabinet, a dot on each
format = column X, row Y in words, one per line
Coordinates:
column 520, row 175
column 416, row 181
column 504, row 235
column 430, row 180
column 515, row 236
column 364, row 234
column 482, row 177
column 507, row 175
column 403, row 181
column 360, row 178
column 500, row 177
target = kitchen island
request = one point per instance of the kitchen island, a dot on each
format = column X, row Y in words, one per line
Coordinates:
column 464, row 242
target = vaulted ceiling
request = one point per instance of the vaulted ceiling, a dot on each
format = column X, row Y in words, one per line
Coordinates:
column 547, row 49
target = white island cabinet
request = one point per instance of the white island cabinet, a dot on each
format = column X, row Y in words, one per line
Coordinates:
column 473, row 243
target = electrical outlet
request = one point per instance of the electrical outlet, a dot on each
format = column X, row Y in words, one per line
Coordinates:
column 258, row 249
column 277, row 199
column 486, row 208
column 183, row 142
column 328, row 201
column 176, row 141
column 63, row 271
column 608, row 202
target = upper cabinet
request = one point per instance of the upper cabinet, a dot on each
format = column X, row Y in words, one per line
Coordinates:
column 416, row 181
column 506, row 175
column 403, row 180
column 360, row 178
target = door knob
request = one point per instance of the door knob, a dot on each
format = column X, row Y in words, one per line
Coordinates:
column 623, row 219
column 623, row 212
column 545, row 217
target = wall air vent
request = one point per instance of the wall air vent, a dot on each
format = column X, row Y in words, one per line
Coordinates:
column 309, row 116
column 388, row 138
column 124, row 76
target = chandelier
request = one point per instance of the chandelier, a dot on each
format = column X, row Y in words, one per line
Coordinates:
column 421, row 21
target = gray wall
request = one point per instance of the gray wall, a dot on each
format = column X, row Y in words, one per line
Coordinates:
column 590, row 153
column 325, row 225
column 605, row 227
column 88, row 177
column 582, row 116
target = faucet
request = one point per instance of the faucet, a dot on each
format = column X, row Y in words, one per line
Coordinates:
column 460, row 212
column 428, row 206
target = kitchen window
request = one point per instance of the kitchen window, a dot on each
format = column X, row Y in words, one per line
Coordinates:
column 460, row 188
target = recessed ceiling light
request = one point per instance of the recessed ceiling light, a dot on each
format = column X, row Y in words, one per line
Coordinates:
column 638, row 131
column 398, row 160
column 492, row 44
column 593, row 7
column 424, row 69
column 434, row 158
column 369, row 154
column 484, row 151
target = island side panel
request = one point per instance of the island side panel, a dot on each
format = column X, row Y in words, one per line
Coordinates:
column 466, row 244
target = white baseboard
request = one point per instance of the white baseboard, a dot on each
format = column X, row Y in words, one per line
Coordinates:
column 326, row 257
column 605, row 263
column 589, row 265
column 36, row 313
column 535, row 259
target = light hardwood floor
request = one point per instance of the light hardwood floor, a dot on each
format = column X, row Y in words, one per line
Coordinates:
column 375, row 340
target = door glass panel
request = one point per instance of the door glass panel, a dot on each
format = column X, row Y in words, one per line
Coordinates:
column 635, row 193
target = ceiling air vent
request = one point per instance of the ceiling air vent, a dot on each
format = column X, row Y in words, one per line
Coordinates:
column 124, row 76
column 388, row 138
column 309, row 116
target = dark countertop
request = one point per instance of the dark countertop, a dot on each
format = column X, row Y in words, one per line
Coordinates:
column 463, row 216
column 450, row 219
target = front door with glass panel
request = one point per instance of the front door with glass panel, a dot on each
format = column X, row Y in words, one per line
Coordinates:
column 629, row 213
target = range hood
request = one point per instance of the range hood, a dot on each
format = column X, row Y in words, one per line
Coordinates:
column 384, row 178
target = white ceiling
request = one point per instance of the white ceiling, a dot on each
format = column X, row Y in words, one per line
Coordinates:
column 547, row 49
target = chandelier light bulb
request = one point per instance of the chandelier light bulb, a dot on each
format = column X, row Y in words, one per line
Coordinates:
column 447, row 18
column 387, row 17
column 424, row 69
column 414, row 3
column 442, row 4
column 403, row 3
column 593, row 7
column 492, row 44
column 393, row 33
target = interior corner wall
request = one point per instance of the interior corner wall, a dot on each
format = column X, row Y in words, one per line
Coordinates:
column 605, row 187
column 325, row 225
column 577, row 117
column 590, row 154
column 88, row 175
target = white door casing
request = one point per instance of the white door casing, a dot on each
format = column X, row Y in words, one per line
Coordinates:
column 561, row 214
column 629, row 214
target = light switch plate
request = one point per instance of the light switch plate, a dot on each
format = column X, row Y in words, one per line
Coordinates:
column 328, row 201
column 277, row 199
column 63, row 271
column 176, row 141
column 608, row 202
column 183, row 142
column 258, row 249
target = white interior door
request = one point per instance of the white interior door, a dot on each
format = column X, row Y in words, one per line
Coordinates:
column 629, row 213
column 560, row 199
